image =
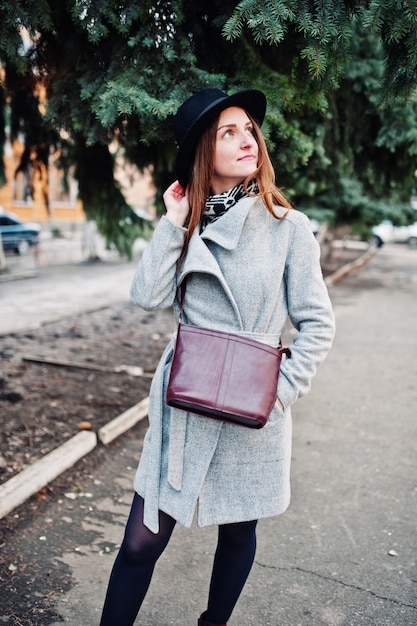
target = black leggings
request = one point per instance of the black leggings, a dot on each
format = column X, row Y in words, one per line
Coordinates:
column 140, row 549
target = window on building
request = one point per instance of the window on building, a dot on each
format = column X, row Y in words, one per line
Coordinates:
column 22, row 186
column 63, row 188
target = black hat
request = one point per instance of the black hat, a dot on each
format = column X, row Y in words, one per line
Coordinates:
column 196, row 113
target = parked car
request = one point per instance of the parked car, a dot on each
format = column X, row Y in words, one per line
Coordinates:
column 18, row 236
column 315, row 225
column 386, row 232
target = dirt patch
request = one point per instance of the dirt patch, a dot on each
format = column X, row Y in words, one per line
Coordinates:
column 42, row 404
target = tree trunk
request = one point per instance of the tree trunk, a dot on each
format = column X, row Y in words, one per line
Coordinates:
column 3, row 262
column 90, row 241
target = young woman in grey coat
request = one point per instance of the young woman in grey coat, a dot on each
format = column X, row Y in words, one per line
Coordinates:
column 251, row 262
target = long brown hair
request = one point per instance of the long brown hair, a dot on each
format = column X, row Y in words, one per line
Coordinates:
column 203, row 169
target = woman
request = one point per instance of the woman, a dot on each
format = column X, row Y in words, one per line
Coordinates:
column 251, row 261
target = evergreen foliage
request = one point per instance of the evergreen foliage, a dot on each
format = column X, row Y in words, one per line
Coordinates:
column 324, row 31
column 363, row 166
column 333, row 72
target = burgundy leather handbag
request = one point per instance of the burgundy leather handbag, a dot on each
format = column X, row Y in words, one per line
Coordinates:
column 223, row 375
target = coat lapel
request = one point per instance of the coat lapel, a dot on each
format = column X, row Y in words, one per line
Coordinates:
column 225, row 232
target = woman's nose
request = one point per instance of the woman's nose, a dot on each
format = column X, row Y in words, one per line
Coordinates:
column 247, row 139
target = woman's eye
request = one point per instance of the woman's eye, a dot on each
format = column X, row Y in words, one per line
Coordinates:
column 227, row 133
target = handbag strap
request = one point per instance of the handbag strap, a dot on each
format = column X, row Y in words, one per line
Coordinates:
column 182, row 298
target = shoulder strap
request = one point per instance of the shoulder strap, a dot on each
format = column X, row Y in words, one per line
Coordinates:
column 182, row 297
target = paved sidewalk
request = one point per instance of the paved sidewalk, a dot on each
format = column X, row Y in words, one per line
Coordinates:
column 344, row 554
column 55, row 292
column 59, row 283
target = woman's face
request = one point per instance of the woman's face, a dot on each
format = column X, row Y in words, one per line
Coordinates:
column 236, row 150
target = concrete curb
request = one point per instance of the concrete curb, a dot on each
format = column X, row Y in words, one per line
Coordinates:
column 124, row 421
column 346, row 269
column 16, row 490
column 6, row 277
column 30, row 480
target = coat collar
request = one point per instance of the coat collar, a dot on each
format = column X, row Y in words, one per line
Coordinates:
column 226, row 230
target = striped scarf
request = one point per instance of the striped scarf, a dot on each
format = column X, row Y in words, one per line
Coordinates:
column 218, row 204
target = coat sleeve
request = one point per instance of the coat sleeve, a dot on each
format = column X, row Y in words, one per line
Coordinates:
column 310, row 312
column 154, row 283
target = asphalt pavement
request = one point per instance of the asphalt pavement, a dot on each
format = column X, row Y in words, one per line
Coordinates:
column 344, row 554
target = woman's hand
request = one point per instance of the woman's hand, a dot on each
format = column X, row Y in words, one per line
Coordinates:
column 176, row 203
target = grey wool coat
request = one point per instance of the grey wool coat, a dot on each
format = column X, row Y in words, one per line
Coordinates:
column 246, row 273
